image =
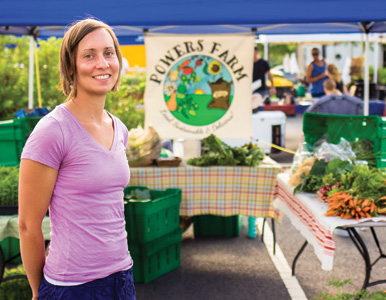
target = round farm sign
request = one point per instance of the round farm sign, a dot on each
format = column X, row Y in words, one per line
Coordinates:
column 198, row 90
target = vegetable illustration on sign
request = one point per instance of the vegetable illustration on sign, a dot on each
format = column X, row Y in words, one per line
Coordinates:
column 198, row 90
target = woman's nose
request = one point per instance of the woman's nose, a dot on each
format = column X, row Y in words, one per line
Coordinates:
column 102, row 63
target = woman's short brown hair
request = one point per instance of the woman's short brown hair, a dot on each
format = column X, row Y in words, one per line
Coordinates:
column 68, row 50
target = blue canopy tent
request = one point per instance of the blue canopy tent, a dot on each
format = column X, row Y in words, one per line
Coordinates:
column 49, row 17
column 145, row 13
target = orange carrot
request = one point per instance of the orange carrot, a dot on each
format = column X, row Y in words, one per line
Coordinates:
column 184, row 64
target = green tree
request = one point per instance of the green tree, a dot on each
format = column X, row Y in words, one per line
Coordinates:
column 13, row 75
column 276, row 52
column 48, row 56
column 14, row 79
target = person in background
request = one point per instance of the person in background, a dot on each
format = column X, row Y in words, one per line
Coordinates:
column 74, row 164
column 336, row 103
column 316, row 74
column 125, row 66
column 333, row 73
column 261, row 68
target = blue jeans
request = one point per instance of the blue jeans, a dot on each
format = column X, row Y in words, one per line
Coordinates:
column 117, row 286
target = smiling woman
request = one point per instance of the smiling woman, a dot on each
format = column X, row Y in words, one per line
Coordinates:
column 97, row 64
column 74, row 163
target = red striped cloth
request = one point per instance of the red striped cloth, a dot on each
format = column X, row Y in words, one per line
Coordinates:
column 307, row 214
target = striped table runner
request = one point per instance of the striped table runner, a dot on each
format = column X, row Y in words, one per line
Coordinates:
column 306, row 213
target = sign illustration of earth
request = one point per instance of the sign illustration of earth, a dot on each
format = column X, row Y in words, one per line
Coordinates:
column 198, row 90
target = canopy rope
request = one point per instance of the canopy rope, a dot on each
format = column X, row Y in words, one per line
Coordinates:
column 276, row 146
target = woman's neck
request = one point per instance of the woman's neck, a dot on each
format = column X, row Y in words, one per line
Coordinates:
column 87, row 110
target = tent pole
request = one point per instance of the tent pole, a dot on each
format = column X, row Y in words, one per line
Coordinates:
column 266, row 49
column 366, row 79
column 31, row 72
column 376, row 59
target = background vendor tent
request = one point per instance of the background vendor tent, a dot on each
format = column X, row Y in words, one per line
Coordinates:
column 151, row 13
column 132, row 18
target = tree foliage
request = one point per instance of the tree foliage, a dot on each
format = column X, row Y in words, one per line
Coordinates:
column 276, row 52
column 14, row 79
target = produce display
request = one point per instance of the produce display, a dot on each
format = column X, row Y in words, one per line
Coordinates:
column 352, row 188
column 142, row 195
column 364, row 150
column 221, row 154
column 143, row 147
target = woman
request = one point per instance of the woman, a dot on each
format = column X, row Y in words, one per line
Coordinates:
column 74, row 164
column 316, row 74
column 333, row 73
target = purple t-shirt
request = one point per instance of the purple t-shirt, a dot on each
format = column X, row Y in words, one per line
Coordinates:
column 88, row 236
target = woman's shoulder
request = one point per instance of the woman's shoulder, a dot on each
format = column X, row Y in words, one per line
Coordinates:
column 55, row 122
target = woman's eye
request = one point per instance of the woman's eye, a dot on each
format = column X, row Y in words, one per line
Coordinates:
column 109, row 53
column 88, row 56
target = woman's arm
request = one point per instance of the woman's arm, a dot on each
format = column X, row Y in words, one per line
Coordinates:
column 36, row 184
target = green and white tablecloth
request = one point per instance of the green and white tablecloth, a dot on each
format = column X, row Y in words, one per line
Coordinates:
column 9, row 227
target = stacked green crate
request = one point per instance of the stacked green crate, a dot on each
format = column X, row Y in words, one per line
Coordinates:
column 351, row 128
column 13, row 135
column 11, row 250
column 154, row 234
column 211, row 225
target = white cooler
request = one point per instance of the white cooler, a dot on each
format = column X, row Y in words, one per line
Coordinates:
column 268, row 126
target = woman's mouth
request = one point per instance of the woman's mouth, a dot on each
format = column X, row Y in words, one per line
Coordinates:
column 101, row 77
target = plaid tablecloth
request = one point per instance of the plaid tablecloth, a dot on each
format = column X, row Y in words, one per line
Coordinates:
column 306, row 213
column 216, row 190
column 9, row 227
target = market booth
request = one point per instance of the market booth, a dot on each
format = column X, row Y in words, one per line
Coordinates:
column 329, row 195
column 253, row 187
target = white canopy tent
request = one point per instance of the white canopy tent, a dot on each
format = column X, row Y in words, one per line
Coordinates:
column 333, row 38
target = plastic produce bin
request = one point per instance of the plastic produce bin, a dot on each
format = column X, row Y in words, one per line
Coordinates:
column 156, row 258
column 211, row 225
column 149, row 220
column 13, row 135
column 11, row 248
column 349, row 127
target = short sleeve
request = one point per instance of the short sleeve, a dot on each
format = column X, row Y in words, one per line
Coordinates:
column 268, row 67
column 45, row 144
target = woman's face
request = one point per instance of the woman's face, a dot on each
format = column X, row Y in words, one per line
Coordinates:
column 97, row 64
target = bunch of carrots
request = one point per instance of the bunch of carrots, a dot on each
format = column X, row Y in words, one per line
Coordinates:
column 346, row 206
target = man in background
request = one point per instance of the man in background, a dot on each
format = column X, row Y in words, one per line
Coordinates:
column 261, row 68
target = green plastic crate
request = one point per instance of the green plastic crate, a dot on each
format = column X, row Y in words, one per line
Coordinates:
column 350, row 128
column 211, row 225
column 13, row 135
column 11, row 248
column 148, row 221
column 156, row 258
